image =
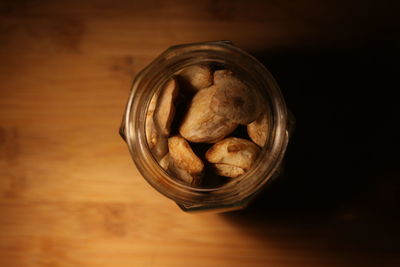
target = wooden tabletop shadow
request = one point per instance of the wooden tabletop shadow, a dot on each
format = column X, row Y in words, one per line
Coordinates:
column 340, row 189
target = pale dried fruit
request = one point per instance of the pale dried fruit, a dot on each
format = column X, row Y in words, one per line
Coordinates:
column 184, row 176
column 258, row 130
column 151, row 132
column 233, row 99
column 200, row 124
column 157, row 143
column 161, row 147
column 228, row 170
column 165, row 109
column 196, row 77
column 183, row 161
column 234, row 152
column 164, row 162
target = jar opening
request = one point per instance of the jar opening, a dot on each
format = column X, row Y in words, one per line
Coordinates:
column 220, row 56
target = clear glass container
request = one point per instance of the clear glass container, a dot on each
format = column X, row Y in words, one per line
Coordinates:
column 236, row 193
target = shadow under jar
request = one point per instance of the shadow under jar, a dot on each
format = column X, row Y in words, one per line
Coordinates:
column 214, row 193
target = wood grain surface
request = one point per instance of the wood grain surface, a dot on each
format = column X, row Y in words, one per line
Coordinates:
column 70, row 194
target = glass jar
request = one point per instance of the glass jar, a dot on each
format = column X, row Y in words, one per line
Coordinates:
column 238, row 192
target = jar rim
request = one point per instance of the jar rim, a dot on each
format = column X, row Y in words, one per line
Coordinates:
column 134, row 127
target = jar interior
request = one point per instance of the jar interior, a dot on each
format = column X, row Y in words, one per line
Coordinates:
column 221, row 192
column 210, row 180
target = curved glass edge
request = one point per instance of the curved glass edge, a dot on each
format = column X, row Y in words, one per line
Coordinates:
column 239, row 204
column 242, row 204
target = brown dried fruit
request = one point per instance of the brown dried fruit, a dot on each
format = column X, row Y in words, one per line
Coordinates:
column 200, row 124
column 233, row 99
column 234, row 152
column 183, row 161
column 165, row 109
column 196, row 77
column 158, row 144
column 258, row 130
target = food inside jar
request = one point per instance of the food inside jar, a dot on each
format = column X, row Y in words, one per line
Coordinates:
column 206, row 126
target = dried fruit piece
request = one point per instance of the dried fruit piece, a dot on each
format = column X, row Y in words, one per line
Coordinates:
column 183, row 161
column 233, row 99
column 184, row 176
column 161, row 147
column 165, row 109
column 196, row 77
column 258, row 130
column 235, row 152
column 200, row 124
column 164, row 162
column 158, row 144
column 151, row 132
column 228, row 170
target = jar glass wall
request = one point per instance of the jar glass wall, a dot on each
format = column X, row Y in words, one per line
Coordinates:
column 235, row 193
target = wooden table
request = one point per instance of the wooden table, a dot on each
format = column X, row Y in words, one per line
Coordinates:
column 71, row 196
